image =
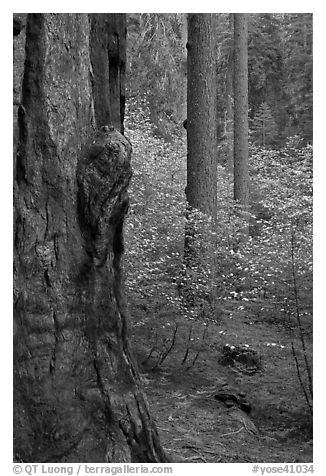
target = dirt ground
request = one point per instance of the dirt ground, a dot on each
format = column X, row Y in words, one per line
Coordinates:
column 196, row 427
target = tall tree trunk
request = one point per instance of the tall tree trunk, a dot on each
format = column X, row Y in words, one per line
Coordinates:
column 229, row 111
column 201, row 114
column 201, row 189
column 229, row 117
column 184, row 39
column 77, row 391
column 108, row 58
column 240, row 81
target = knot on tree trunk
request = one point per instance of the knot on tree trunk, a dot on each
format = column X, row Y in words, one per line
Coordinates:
column 103, row 174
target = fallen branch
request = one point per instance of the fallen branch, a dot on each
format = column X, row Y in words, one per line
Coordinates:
column 232, row 432
column 196, row 451
column 163, row 429
column 204, row 451
column 195, row 457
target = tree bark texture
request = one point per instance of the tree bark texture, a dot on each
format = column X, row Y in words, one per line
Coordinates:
column 77, row 391
column 229, row 111
column 108, row 58
column 240, row 82
column 201, row 188
column 184, row 39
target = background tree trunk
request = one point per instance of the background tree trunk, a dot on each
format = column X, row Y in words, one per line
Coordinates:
column 184, row 39
column 201, row 114
column 229, row 110
column 108, row 57
column 201, row 189
column 77, row 390
column 240, row 81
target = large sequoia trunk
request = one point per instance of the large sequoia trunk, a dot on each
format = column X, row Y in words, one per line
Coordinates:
column 77, row 391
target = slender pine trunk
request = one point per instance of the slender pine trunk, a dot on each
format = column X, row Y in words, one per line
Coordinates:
column 240, row 81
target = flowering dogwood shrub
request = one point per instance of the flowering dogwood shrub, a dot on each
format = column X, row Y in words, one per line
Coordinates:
column 256, row 274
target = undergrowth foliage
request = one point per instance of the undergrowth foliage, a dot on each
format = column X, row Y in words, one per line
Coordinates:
column 266, row 277
column 257, row 273
column 154, row 230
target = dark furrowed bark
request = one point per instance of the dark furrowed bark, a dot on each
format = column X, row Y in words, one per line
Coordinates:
column 77, row 391
column 108, row 58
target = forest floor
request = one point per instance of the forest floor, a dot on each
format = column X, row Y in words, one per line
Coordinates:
column 196, row 427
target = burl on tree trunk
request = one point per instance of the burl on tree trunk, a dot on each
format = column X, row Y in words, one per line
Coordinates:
column 77, row 391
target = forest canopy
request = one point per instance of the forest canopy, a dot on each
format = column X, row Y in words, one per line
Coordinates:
column 279, row 62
